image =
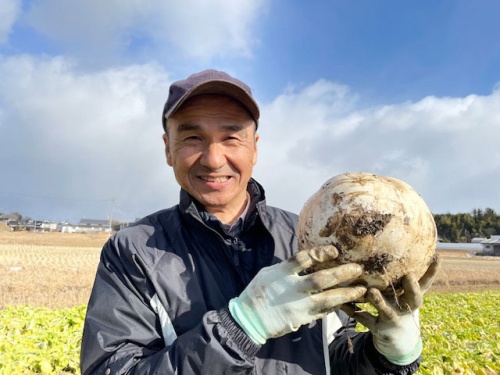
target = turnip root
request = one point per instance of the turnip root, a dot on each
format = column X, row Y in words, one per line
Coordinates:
column 376, row 221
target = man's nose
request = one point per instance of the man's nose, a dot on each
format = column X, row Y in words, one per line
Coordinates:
column 213, row 156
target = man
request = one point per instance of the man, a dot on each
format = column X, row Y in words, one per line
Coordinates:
column 215, row 285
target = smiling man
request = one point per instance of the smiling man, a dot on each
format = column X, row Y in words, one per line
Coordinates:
column 212, row 145
column 215, row 285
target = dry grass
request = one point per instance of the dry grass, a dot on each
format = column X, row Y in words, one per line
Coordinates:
column 48, row 269
column 54, row 239
column 58, row 269
column 465, row 273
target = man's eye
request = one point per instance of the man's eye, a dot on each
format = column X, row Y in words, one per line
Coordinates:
column 192, row 138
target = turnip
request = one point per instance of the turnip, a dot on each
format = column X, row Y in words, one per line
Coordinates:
column 379, row 222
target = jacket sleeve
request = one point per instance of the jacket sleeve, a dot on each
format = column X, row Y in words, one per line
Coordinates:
column 122, row 334
column 353, row 352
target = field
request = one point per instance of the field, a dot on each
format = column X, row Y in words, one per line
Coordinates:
column 48, row 269
column 57, row 269
column 46, row 278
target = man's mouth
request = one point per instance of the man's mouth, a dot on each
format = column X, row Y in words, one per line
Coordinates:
column 214, row 179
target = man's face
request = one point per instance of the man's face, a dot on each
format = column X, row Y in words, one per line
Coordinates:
column 212, row 145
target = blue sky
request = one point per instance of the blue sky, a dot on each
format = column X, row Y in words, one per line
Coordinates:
column 409, row 90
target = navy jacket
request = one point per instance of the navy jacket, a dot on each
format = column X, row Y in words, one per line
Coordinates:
column 159, row 302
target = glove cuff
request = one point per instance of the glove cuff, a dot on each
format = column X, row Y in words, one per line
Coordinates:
column 248, row 321
column 407, row 358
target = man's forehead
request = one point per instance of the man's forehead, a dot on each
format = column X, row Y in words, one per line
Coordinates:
column 207, row 107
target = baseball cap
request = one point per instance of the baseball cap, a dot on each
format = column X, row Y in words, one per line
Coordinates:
column 209, row 82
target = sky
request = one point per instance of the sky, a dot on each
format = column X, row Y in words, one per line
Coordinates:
column 409, row 90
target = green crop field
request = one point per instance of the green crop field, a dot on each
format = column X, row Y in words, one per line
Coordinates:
column 43, row 276
column 40, row 340
column 461, row 333
column 461, row 336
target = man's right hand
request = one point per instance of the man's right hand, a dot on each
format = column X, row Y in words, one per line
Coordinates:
column 283, row 297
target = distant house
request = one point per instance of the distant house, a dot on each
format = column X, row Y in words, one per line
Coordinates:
column 33, row 225
column 48, row 226
column 28, row 225
column 15, row 225
column 92, row 226
column 491, row 246
column 66, row 228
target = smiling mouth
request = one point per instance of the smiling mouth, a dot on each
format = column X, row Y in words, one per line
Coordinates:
column 214, row 179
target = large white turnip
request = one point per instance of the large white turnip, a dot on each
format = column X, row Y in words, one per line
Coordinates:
column 376, row 221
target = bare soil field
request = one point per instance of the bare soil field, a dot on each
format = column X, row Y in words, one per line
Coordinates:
column 58, row 269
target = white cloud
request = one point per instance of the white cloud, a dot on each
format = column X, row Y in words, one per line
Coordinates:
column 9, row 11
column 86, row 137
column 87, row 27
column 203, row 29
column 192, row 28
column 93, row 136
column 444, row 147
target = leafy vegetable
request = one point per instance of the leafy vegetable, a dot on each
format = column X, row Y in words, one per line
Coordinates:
column 40, row 340
column 461, row 334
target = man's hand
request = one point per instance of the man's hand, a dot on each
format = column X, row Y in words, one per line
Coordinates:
column 396, row 329
column 284, row 296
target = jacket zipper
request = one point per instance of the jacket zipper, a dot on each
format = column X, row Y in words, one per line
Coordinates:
column 231, row 258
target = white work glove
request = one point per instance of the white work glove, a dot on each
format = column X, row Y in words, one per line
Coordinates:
column 283, row 297
column 396, row 329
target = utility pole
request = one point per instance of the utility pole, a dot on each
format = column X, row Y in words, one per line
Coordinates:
column 111, row 215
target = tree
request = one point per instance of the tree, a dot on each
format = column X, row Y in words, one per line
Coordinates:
column 462, row 227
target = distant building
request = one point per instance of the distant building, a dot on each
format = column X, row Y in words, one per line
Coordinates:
column 84, row 226
column 491, row 246
column 92, row 226
column 48, row 226
column 483, row 246
column 478, row 239
column 473, row 248
column 15, row 225
column 66, row 227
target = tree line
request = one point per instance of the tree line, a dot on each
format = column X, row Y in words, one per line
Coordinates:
column 462, row 227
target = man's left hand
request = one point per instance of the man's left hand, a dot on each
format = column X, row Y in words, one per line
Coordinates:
column 396, row 328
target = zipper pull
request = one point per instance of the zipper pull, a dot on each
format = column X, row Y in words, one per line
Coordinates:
column 234, row 251
column 236, row 259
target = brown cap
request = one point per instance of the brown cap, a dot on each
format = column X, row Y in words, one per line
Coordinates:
column 209, row 82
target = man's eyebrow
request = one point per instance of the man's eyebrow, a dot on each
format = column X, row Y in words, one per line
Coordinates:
column 232, row 127
column 186, row 127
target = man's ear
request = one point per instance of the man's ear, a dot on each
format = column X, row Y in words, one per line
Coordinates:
column 256, row 153
column 167, row 149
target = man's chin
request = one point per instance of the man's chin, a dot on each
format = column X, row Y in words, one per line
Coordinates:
column 209, row 198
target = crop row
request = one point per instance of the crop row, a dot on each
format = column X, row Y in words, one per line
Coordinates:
column 461, row 334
